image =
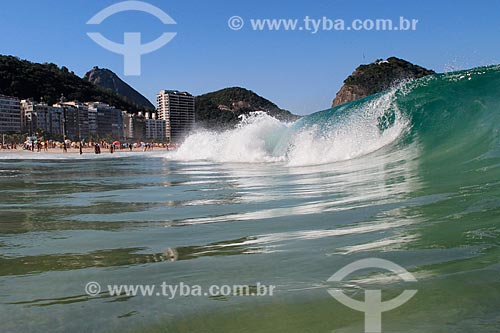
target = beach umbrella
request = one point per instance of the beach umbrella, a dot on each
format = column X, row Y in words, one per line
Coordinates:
column 116, row 143
column 67, row 141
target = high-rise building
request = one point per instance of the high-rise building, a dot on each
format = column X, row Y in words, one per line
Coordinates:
column 154, row 128
column 105, row 121
column 76, row 120
column 41, row 116
column 10, row 115
column 92, row 123
column 133, row 126
column 178, row 110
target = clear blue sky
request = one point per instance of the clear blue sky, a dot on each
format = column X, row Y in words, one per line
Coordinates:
column 297, row 70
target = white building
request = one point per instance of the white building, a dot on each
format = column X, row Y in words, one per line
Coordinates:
column 41, row 116
column 154, row 128
column 177, row 109
column 92, row 122
column 133, row 126
column 10, row 115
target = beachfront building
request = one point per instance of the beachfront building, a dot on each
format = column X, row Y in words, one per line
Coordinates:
column 133, row 126
column 177, row 109
column 105, row 121
column 92, row 122
column 154, row 128
column 41, row 116
column 76, row 120
column 10, row 115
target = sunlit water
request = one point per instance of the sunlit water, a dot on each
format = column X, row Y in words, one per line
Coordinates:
column 145, row 219
column 411, row 177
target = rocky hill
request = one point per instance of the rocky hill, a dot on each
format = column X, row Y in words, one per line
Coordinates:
column 221, row 108
column 106, row 79
column 376, row 77
column 25, row 79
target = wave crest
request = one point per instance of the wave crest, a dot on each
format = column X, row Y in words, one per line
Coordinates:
column 337, row 134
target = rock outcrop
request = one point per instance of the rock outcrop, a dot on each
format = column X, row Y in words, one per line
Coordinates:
column 26, row 79
column 376, row 77
column 106, row 79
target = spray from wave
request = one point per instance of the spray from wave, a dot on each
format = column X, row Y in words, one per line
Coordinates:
column 453, row 115
column 328, row 136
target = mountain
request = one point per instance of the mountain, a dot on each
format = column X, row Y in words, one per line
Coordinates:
column 25, row 79
column 221, row 108
column 376, row 77
column 108, row 80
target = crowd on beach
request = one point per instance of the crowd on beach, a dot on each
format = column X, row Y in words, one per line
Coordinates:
column 35, row 144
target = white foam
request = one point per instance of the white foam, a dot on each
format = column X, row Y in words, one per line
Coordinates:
column 261, row 138
column 252, row 141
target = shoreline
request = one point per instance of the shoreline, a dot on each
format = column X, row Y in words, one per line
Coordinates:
column 85, row 151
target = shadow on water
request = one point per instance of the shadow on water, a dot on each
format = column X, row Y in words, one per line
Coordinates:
column 121, row 257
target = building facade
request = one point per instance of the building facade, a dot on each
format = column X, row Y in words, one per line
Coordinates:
column 177, row 109
column 76, row 120
column 155, row 129
column 10, row 115
column 106, row 121
column 92, row 122
column 41, row 116
column 133, row 126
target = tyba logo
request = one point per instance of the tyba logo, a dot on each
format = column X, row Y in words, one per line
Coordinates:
column 373, row 305
column 131, row 49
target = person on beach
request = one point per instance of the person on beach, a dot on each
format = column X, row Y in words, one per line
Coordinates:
column 65, row 149
column 111, row 149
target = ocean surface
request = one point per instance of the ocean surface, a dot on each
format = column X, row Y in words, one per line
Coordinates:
column 411, row 175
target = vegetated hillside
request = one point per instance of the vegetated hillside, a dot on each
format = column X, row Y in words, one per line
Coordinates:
column 25, row 79
column 376, row 77
column 221, row 109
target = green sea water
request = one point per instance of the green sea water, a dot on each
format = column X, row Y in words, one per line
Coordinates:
column 411, row 175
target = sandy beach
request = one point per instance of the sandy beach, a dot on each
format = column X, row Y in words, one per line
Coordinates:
column 77, row 151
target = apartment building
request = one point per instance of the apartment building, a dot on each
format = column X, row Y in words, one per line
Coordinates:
column 76, row 120
column 10, row 115
column 154, row 128
column 177, row 109
column 41, row 116
column 105, row 120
